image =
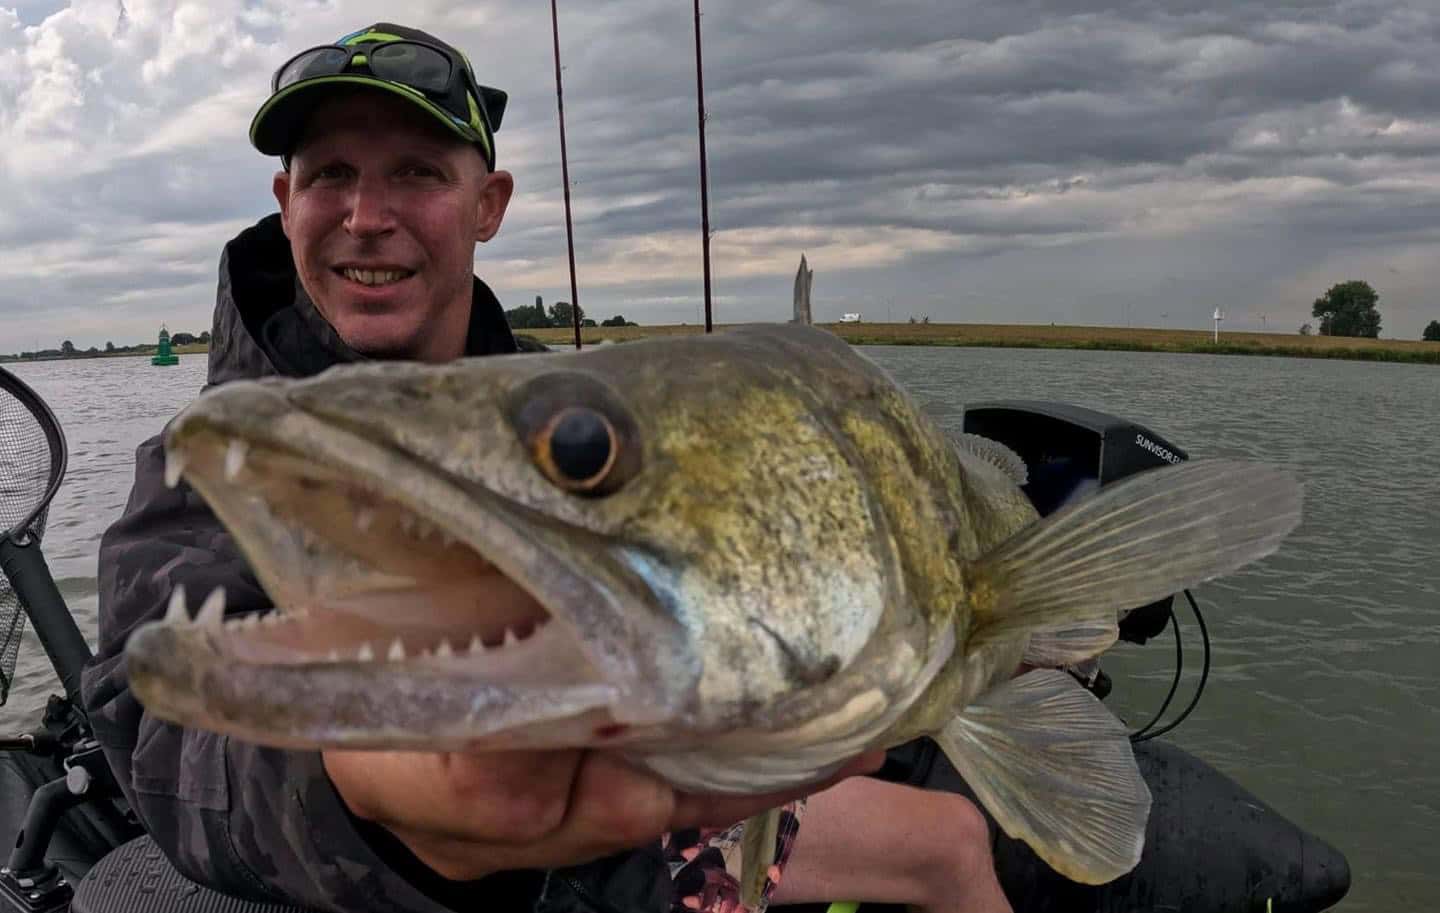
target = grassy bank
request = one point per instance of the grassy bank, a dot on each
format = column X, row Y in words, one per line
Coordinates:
column 1008, row 336
column 1067, row 337
column 198, row 348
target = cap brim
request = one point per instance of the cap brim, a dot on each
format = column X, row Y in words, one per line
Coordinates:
column 280, row 122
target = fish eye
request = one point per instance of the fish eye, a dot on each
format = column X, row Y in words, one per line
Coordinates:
column 577, row 432
column 577, row 449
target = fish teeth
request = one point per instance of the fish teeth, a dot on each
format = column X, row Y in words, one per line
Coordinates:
column 235, row 458
column 177, row 612
column 174, row 468
column 364, row 519
column 269, row 619
column 511, row 638
column 366, row 653
column 444, row 651
column 252, row 621
column 333, row 656
column 212, row 610
column 476, row 645
column 397, row 651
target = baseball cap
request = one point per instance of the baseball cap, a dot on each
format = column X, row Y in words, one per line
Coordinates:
column 411, row 64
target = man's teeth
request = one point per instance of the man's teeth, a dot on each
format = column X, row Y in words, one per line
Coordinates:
column 374, row 276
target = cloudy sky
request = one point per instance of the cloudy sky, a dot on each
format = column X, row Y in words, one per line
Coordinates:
column 1027, row 161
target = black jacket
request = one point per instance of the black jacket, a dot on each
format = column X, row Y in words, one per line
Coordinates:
column 259, row 822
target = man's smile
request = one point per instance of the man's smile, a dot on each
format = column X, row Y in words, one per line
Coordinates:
column 373, row 277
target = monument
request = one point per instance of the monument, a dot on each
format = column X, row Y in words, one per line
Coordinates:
column 803, row 280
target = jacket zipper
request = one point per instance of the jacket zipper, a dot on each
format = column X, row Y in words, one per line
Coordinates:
column 585, row 895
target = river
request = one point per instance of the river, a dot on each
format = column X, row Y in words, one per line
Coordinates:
column 1324, row 697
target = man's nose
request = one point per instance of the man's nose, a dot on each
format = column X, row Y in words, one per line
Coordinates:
column 371, row 212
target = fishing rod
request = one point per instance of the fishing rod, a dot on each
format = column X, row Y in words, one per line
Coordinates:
column 704, row 171
column 565, row 176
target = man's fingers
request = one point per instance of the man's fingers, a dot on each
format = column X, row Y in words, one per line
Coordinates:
column 466, row 817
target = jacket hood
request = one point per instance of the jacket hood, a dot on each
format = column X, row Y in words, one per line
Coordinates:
column 266, row 324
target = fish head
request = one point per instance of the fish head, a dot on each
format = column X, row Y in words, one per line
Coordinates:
column 641, row 542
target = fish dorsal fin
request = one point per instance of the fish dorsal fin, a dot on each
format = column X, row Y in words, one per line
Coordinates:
column 994, row 453
column 1134, row 542
column 1057, row 771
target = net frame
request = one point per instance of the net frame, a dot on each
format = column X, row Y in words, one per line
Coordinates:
column 25, row 419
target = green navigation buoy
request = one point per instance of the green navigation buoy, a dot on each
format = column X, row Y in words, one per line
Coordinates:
column 163, row 355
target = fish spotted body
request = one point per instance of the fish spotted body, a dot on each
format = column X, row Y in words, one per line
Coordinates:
column 739, row 559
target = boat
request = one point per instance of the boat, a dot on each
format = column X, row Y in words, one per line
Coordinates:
column 1211, row 846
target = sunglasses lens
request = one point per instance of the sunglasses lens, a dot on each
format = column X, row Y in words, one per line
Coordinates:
column 319, row 62
column 412, row 64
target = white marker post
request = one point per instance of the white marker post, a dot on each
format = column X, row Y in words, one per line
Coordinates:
column 1219, row 316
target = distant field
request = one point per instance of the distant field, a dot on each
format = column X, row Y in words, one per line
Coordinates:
column 198, row 348
column 1064, row 337
column 1033, row 337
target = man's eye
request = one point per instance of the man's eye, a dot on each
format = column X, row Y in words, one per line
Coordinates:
column 329, row 173
column 419, row 171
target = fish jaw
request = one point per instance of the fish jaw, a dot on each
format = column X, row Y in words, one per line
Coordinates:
column 189, row 675
column 507, row 638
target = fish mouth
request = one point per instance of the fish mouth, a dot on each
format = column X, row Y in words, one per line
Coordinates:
column 435, row 614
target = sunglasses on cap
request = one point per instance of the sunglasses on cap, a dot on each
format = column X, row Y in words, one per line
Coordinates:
column 435, row 72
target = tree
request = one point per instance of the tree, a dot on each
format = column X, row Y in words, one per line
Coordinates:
column 1432, row 332
column 183, row 339
column 528, row 317
column 205, row 337
column 67, row 348
column 109, row 346
column 562, row 314
column 617, row 321
column 1348, row 309
column 1307, row 329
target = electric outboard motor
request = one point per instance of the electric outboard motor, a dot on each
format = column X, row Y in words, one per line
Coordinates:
column 1070, row 452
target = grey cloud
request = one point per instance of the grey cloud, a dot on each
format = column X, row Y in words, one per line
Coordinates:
column 1078, row 160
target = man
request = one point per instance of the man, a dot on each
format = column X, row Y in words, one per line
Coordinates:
column 389, row 182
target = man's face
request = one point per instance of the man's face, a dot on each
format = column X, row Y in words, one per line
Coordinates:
column 383, row 209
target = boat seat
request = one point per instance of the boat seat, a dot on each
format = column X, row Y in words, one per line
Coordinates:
column 137, row 878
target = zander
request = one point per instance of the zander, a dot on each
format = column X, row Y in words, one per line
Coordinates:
column 739, row 559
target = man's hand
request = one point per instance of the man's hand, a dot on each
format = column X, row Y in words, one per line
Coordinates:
column 468, row 815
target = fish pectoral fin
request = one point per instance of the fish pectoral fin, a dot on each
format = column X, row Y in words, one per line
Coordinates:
column 1140, row 540
column 994, row 453
column 1057, row 771
column 757, row 852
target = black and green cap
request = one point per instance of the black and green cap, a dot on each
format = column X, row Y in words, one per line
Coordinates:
column 412, row 64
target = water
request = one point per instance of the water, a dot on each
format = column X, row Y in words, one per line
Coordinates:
column 106, row 407
column 1324, row 698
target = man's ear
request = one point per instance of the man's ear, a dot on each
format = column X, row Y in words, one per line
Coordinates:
column 280, row 186
column 494, row 199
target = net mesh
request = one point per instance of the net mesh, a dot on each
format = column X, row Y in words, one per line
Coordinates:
column 26, row 463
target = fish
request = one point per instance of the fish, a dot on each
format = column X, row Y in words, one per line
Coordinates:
column 738, row 560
